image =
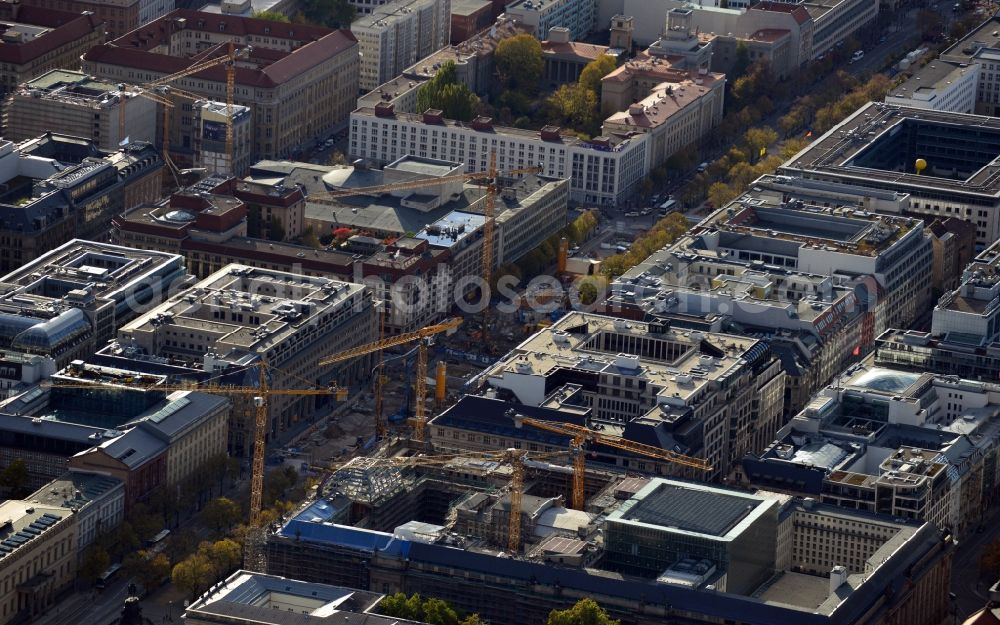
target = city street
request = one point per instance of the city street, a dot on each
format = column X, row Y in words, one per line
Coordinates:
column 970, row 593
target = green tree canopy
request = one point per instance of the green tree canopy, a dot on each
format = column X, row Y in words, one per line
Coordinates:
column 444, row 92
column 193, row 574
column 574, row 107
column 329, row 13
column 221, row 513
column 519, row 63
column 271, row 16
column 590, row 77
column 585, row 612
column 15, row 478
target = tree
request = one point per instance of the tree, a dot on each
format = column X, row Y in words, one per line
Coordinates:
column 929, row 23
column 989, row 561
column 585, row 612
column 309, row 239
column 193, row 574
column 271, row 16
column 15, row 478
column 221, row 513
column 275, row 231
column 590, row 77
column 519, row 63
column 329, row 13
column 444, row 92
column 438, row 612
column 149, row 569
column 95, row 561
column 574, row 107
column 588, row 293
column 225, row 555
column 742, row 61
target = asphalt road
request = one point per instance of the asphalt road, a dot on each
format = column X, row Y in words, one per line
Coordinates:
column 970, row 593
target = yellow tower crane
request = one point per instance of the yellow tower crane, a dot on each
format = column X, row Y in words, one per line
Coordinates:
column 514, row 457
column 330, row 198
column 419, row 414
column 580, row 436
column 158, row 85
column 260, row 394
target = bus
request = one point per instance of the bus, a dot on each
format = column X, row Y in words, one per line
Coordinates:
column 155, row 540
column 667, row 207
column 107, row 576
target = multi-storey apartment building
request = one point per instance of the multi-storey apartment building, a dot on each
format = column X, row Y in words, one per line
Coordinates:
column 396, row 35
column 299, row 81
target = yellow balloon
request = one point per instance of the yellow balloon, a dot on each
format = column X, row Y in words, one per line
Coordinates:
column 921, row 165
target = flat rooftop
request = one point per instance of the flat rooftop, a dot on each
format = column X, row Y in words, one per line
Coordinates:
column 26, row 522
column 74, row 490
column 246, row 597
column 427, row 167
column 279, row 303
column 680, row 364
column 930, row 77
column 879, row 145
column 986, row 35
column 451, row 229
column 680, row 506
column 78, row 270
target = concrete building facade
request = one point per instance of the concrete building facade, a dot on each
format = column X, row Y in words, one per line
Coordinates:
column 300, row 82
column 396, row 35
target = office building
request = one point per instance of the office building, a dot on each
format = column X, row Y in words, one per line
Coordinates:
column 396, row 35
column 778, row 33
column 67, row 303
column 39, row 561
column 473, row 59
column 836, row 21
column 939, row 86
column 247, row 598
column 797, row 262
column 605, row 170
column 965, row 328
column 71, row 103
column 979, row 48
column 208, row 138
column 37, row 40
column 58, row 188
column 906, row 444
column 185, row 428
column 678, row 112
column 119, row 16
column 19, row 371
column 878, row 148
column 577, row 15
column 670, row 551
column 299, row 81
column 469, row 17
column 240, row 315
column 713, row 396
column 96, row 501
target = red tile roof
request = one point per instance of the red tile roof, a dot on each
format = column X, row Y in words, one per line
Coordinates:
column 66, row 28
column 315, row 45
column 797, row 11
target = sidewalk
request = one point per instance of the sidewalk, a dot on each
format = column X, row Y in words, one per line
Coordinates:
column 164, row 604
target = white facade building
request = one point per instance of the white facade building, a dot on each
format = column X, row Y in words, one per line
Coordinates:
column 577, row 15
column 604, row 170
column 396, row 35
column 939, row 86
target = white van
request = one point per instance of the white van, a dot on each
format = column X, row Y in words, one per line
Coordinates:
column 857, row 56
